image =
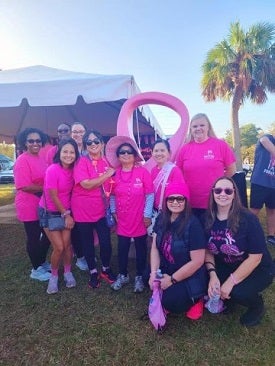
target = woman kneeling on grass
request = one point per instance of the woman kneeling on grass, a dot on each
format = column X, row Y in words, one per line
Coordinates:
column 56, row 199
column 178, row 250
column 237, row 259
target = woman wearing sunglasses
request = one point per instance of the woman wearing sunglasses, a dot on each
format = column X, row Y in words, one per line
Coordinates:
column 93, row 185
column 63, row 132
column 29, row 172
column 132, row 203
column 178, row 250
column 237, row 259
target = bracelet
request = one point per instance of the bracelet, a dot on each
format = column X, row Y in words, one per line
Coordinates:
column 211, row 270
column 173, row 280
column 233, row 279
column 66, row 213
column 213, row 264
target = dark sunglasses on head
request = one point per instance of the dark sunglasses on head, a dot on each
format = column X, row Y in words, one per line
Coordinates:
column 227, row 191
column 63, row 130
column 178, row 199
column 95, row 141
column 124, row 152
column 34, row 141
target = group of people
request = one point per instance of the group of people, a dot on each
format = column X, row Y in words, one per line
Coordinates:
column 203, row 240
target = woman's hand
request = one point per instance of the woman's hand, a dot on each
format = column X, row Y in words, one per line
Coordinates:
column 151, row 280
column 147, row 221
column 226, row 289
column 69, row 222
column 214, row 285
column 165, row 281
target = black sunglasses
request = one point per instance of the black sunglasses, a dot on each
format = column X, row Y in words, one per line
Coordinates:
column 63, row 130
column 178, row 199
column 95, row 141
column 124, row 152
column 227, row 191
column 34, row 141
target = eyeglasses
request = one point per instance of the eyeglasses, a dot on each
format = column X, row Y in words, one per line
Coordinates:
column 91, row 142
column 78, row 132
column 124, row 152
column 227, row 191
column 34, row 141
column 178, row 199
column 63, row 130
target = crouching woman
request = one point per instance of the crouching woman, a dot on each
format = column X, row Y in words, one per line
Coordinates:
column 56, row 200
column 178, row 249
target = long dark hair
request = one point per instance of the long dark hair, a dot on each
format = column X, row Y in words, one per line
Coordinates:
column 233, row 221
column 62, row 143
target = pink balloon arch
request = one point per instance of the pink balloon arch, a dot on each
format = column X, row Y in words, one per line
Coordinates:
column 125, row 121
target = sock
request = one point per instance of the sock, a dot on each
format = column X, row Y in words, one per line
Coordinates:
column 67, row 268
column 93, row 271
column 104, row 268
column 54, row 272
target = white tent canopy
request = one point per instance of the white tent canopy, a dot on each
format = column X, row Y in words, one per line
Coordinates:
column 44, row 97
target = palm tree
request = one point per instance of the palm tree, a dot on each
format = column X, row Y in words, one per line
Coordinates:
column 241, row 67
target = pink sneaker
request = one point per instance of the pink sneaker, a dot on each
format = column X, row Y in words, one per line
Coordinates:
column 196, row 311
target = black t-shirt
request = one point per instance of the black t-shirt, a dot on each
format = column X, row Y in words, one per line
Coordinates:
column 232, row 250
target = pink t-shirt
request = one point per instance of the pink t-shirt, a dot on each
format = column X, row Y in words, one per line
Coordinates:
column 50, row 154
column 44, row 151
column 28, row 169
column 130, row 192
column 175, row 176
column 60, row 179
column 88, row 204
column 201, row 164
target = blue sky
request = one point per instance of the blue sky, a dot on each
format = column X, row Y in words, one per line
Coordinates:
column 162, row 43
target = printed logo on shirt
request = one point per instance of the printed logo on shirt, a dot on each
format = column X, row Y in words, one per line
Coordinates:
column 138, row 183
column 270, row 170
column 209, row 156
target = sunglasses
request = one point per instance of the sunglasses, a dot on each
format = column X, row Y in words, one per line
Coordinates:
column 91, row 142
column 227, row 191
column 34, row 141
column 63, row 130
column 123, row 152
column 172, row 199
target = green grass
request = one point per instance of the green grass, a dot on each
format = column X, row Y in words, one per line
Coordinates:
column 100, row 327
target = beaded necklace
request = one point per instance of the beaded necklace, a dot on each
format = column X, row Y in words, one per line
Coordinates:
column 106, row 193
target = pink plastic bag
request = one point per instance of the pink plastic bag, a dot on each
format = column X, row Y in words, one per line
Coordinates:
column 156, row 312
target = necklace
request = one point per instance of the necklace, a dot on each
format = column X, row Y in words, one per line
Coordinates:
column 95, row 165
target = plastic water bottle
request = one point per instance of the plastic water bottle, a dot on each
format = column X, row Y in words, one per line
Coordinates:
column 159, row 275
column 215, row 304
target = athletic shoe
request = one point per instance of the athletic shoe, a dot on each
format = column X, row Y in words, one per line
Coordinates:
column 82, row 264
column 196, row 311
column 139, row 285
column 108, row 275
column 94, row 282
column 121, row 280
column 40, row 274
column 69, row 280
column 46, row 266
column 52, row 285
column 253, row 315
column 271, row 239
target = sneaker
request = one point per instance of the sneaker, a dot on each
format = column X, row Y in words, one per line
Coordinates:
column 69, row 280
column 196, row 311
column 270, row 239
column 120, row 281
column 253, row 315
column 46, row 266
column 52, row 285
column 108, row 275
column 82, row 264
column 94, row 282
column 139, row 285
column 40, row 274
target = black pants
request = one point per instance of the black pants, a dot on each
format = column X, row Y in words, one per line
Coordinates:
column 37, row 244
column 76, row 242
column 246, row 293
column 176, row 298
column 85, row 230
column 124, row 243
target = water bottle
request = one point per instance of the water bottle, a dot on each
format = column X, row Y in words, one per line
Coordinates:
column 215, row 304
column 159, row 275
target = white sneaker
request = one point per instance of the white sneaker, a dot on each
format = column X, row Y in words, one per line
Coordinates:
column 82, row 264
column 46, row 266
column 139, row 285
column 40, row 274
column 120, row 281
column 52, row 285
column 69, row 280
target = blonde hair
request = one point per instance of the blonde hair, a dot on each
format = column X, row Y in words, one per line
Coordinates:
column 211, row 132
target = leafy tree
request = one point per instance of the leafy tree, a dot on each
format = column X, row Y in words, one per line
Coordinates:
column 241, row 67
column 271, row 129
column 249, row 135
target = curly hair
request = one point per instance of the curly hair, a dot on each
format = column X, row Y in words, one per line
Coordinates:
column 23, row 136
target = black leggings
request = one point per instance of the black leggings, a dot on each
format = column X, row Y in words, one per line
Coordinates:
column 176, row 298
column 37, row 244
column 76, row 242
column 124, row 243
column 85, row 230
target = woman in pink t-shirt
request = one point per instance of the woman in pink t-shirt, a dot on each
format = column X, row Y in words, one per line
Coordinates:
column 131, row 203
column 203, row 159
column 56, row 200
column 93, row 185
column 29, row 172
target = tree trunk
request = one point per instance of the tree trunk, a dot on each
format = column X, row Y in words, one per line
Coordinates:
column 236, row 102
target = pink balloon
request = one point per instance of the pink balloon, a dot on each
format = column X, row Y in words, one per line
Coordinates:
column 125, row 122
